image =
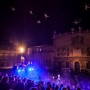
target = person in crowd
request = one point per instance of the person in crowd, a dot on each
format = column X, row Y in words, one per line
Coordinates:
column 54, row 85
column 64, row 89
column 12, row 82
column 78, row 89
column 57, row 87
column 1, row 78
column 33, row 88
column 68, row 87
column 29, row 84
column 19, row 85
column 61, row 87
column 49, row 86
column 4, row 84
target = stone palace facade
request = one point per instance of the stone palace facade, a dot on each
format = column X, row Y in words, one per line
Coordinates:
column 69, row 51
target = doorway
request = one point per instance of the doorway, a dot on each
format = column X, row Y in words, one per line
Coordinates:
column 77, row 67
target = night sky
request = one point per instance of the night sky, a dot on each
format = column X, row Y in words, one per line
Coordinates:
column 24, row 21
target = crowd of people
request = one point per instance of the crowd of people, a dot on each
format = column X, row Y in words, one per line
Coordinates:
column 12, row 82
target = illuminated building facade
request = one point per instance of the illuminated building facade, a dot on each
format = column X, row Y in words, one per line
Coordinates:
column 72, row 50
column 69, row 51
column 9, row 57
column 43, row 56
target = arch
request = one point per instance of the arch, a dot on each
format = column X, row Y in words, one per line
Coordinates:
column 77, row 67
column 88, row 65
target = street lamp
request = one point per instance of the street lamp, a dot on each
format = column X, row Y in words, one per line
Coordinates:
column 21, row 49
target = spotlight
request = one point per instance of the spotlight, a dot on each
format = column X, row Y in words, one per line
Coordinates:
column 23, row 70
column 21, row 49
column 30, row 69
column 19, row 70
